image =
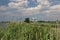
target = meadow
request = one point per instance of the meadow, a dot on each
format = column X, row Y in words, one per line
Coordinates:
column 30, row 31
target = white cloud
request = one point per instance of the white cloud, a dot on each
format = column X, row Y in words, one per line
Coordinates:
column 32, row 10
column 23, row 3
column 20, row 5
column 44, row 2
column 55, row 7
column 23, row 9
column 53, row 12
column 3, row 8
column 15, row 4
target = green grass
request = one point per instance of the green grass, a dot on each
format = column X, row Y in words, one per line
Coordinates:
column 28, row 31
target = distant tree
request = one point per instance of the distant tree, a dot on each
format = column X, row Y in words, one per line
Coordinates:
column 27, row 20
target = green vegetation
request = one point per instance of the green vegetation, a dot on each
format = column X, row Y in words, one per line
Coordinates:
column 27, row 20
column 28, row 31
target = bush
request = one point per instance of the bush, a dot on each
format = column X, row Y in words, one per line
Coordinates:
column 27, row 20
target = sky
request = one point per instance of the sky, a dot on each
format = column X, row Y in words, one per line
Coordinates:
column 17, row 10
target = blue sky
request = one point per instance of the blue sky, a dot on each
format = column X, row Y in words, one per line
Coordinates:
column 20, row 9
column 5, row 2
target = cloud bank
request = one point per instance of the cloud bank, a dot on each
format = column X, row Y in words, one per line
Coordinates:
column 20, row 9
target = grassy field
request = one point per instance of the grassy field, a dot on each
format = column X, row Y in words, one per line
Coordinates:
column 30, row 31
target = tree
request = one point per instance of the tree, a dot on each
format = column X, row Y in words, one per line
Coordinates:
column 27, row 20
